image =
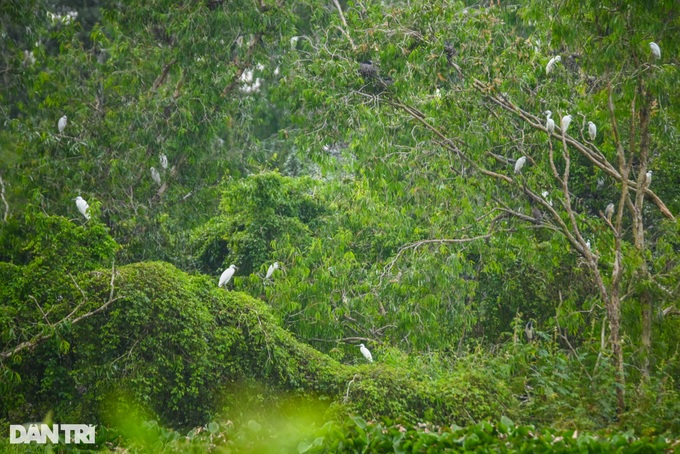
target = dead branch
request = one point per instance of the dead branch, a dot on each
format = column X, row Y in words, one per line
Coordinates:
column 345, row 31
column 37, row 339
column 2, row 195
column 164, row 73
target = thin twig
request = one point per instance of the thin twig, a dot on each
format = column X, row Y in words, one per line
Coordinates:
column 2, row 195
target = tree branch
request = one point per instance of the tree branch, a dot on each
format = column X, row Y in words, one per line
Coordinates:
column 161, row 78
column 2, row 195
column 37, row 339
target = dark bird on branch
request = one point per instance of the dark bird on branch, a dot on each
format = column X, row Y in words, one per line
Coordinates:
column 368, row 70
column 450, row 51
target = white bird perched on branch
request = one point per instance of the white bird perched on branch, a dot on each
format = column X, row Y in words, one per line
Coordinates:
column 226, row 276
column 82, row 207
column 648, row 179
column 553, row 61
column 609, row 211
column 164, row 161
column 155, row 176
column 549, row 122
column 545, row 195
column 588, row 244
column 592, row 130
column 656, row 50
column 529, row 330
column 520, row 163
column 366, row 353
column 273, row 267
column 566, row 120
column 61, row 124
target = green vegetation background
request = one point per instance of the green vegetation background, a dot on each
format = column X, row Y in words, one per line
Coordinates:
column 279, row 150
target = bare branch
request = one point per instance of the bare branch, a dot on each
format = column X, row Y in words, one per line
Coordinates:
column 37, row 339
column 161, row 77
column 344, row 22
column 2, row 195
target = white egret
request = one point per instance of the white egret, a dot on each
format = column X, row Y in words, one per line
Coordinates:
column 155, row 176
column 529, row 331
column 226, row 276
column 366, row 353
column 553, row 61
column 545, row 195
column 82, row 207
column 520, row 163
column 164, row 160
column 656, row 50
column 600, row 183
column 609, row 211
column 588, row 244
column 271, row 269
column 648, row 179
column 592, row 130
column 549, row 122
column 62, row 124
column 566, row 120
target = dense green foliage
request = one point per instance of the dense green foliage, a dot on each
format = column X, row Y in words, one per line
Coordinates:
column 387, row 196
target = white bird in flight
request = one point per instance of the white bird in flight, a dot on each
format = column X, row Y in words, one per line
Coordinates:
column 82, row 207
column 609, row 211
column 553, row 61
column 156, row 176
column 648, row 179
column 520, row 163
column 271, row 269
column 61, row 124
column 366, row 353
column 164, row 161
column 592, row 130
column 549, row 122
column 226, row 276
column 566, row 120
column 656, row 50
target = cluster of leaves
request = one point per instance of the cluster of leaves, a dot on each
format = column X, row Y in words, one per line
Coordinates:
column 358, row 435
column 181, row 349
column 355, row 434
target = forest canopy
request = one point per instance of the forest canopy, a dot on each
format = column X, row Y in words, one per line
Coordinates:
column 481, row 194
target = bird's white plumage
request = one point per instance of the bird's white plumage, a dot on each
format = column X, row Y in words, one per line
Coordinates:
column 609, row 211
column 551, row 64
column 588, row 244
column 564, row 124
column 61, row 124
column 155, row 176
column 545, row 195
column 520, row 163
column 82, row 207
column 529, row 330
column 366, row 353
column 656, row 50
column 227, row 275
column 648, row 179
column 271, row 269
column 549, row 122
column 592, row 130
column 164, row 160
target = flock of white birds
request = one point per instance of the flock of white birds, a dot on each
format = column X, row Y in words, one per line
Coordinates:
column 226, row 276
column 592, row 133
